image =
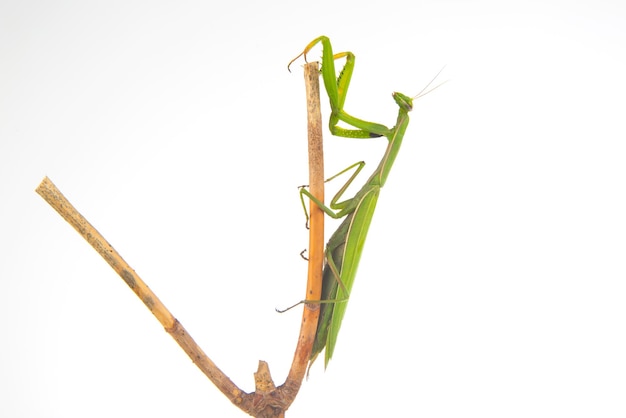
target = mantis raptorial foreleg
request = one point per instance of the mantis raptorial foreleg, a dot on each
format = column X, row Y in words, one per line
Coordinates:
column 337, row 90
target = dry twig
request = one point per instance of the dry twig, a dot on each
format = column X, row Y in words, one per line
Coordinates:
column 267, row 400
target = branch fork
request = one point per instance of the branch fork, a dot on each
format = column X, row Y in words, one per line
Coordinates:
column 267, row 400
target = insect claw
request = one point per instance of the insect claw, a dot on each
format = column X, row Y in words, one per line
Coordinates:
column 291, row 62
column 289, row 308
column 302, row 254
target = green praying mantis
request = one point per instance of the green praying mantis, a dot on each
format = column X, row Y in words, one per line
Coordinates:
column 344, row 248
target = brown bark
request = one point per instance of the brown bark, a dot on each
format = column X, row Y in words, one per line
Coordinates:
column 267, row 400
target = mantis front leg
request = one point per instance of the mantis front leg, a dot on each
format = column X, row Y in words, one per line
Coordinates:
column 337, row 90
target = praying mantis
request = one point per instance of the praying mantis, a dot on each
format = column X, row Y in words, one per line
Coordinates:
column 344, row 248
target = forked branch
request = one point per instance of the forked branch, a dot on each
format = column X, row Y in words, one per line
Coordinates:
column 267, row 400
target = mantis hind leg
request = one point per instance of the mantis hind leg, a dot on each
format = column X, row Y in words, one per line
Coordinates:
column 329, row 289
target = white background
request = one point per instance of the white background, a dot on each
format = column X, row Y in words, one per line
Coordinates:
column 493, row 281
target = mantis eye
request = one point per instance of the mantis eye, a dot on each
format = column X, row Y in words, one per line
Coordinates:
column 405, row 102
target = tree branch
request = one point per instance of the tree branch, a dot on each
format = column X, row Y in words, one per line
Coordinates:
column 311, row 312
column 267, row 401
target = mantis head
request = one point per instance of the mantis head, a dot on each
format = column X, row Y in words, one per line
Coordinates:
column 405, row 102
